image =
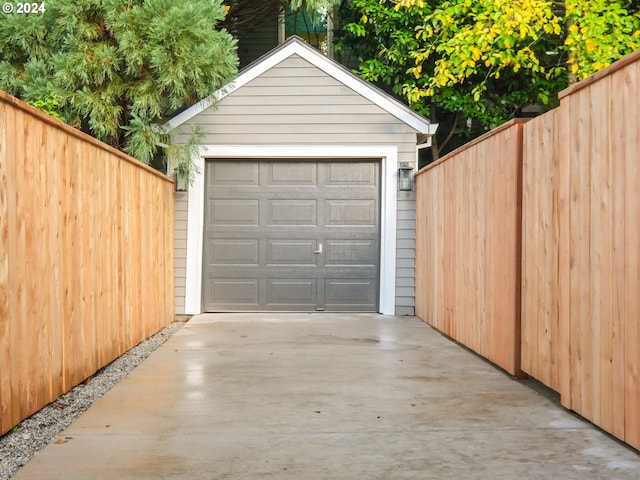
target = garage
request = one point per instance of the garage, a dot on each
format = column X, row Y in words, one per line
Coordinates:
column 292, row 235
column 297, row 206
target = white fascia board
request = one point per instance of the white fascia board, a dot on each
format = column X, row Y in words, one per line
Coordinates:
column 297, row 46
column 195, row 226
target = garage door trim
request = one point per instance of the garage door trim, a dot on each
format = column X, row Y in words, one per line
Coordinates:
column 389, row 164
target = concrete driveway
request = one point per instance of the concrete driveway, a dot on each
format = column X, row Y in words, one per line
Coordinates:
column 325, row 396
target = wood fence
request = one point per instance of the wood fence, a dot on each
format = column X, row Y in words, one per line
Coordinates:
column 468, row 245
column 576, row 240
column 86, row 257
column 581, row 265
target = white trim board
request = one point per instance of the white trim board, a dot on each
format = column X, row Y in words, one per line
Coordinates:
column 297, row 46
column 195, row 223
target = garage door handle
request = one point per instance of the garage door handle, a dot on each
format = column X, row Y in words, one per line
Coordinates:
column 319, row 249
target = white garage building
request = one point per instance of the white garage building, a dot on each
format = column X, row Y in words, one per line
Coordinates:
column 297, row 207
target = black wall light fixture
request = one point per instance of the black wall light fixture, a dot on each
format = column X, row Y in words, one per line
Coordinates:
column 405, row 177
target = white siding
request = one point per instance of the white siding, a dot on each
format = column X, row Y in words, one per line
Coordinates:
column 295, row 103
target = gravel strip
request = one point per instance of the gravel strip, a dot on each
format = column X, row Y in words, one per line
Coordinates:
column 18, row 446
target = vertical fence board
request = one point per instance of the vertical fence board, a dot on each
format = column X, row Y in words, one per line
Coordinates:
column 55, row 153
column 473, row 245
column 565, row 254
column 74, row 216
column 488, row 256
column 18, row 332
column 15, row 271
column 628, row 87
column 591, row 325
column 35, row 245
column 554, row 257
column 448, row 252
column 615, row 355
column 580, row 267
column 601, row 253
column 5, row 365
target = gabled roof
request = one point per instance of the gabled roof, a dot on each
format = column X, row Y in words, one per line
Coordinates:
column 297, row 46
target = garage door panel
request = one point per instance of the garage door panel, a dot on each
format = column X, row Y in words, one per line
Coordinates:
column 233, row 173
column 351, row 174
column 292, row 174
column 351, row 212
column 234, row 251
column 354, row 293
column 291, row 252
column 292, row 291
column 293, row 212
column 234, row 212
column 235, row 292
column 351, row 253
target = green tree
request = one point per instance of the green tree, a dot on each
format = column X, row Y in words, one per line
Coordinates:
column 474, row 64
column 114, row 68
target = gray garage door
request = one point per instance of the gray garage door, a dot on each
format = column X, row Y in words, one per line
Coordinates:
column 291, row 235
